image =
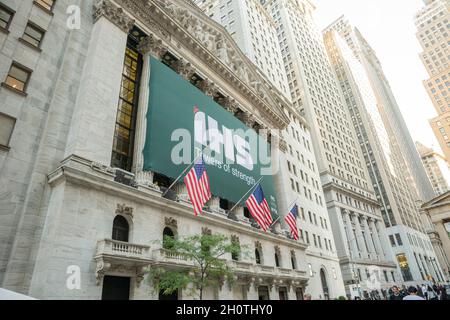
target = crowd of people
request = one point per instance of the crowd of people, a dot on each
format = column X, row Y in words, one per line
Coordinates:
column 424, row 292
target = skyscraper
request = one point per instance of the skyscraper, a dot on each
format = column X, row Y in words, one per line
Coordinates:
column 433, row 34
column 354, row 211
column 385, row 159
column 437, row 168
column 414, row 171
column 255, row 32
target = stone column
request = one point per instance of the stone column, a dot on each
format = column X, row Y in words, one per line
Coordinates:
column 93, row 123
column 384, row 240
column 350, row 238
column 360, row 237
column 369, row 242
column 147, row 47
column 376, row 238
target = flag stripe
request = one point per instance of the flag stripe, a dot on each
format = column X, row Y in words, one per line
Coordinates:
column 197, row 183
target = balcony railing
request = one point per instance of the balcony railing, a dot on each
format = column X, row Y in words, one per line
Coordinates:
column 119, row 249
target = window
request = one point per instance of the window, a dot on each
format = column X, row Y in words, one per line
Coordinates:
column 167, row 233
column 277, row 260
column 46, row 4
column 33, row 35
column 18, row 77
column 122, row 153
column 257, row 257
column 6, row 16
column 121, row 229
column 7, row 124
column 293, row 260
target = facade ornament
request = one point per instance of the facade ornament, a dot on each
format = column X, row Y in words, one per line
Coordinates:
column 124, row 210
column 101, row 269
column 208, row 87
column 230, row 105
column 115, row 14
column 258, row 245
column 206, row 231
column 185, row 69
column 171, row 222
column 235, row 239
column 152, row 45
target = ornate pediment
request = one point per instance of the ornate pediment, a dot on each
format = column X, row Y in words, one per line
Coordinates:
column 183, row 20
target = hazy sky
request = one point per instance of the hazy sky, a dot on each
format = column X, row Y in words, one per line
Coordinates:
column 388, row 25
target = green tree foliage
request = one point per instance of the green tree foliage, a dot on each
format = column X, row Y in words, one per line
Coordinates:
column 206, row 254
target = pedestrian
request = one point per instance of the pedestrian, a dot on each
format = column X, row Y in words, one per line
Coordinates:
column 413, row 294
column 431, row 294
column 396, row 295
column 424, row 291
column 308, row 297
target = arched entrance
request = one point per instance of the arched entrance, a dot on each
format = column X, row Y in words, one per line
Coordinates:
column 325, row 288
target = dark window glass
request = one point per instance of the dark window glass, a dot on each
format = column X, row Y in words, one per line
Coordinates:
column 6, row 16
column 46, row 4
column 18, row 77
column 122, row 155
column 277, row 261
column 33, row 35
column 257, row 257
column 121, row 229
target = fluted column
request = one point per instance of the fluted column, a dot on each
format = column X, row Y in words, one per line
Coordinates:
column 384, row 240
column 360, row 237
column 354, row 253
column 148, row 46
column 376, row 239
column 369, row 242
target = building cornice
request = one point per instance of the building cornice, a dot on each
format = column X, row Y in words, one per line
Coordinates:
column 115, row 14
column 192, row 29
column 80, row 171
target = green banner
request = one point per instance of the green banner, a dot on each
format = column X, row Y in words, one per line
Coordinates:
column 182, row 120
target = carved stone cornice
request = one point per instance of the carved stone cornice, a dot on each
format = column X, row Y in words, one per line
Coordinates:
column 206, row 231
column 124, row 210
column 171, row 222
column 181, row 24
column 152, row 45
column 208, row 87
column 230, row 105
column 115, row 14
column 185, row 69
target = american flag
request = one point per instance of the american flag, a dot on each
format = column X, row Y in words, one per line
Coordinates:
column 259, row 208
column 197, row 183
column 291, row 220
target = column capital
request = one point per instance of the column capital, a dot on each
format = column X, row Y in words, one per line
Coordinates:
column 115, row 14
column 208, row 87
column 185, row 69
column 152, row 45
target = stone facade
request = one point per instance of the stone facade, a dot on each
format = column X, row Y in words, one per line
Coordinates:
column 59, row 193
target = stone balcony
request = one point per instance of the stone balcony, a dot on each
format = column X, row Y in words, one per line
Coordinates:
column 166, row 258
column 121, row 258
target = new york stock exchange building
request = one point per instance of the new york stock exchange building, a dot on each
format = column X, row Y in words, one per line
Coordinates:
column 90, row 116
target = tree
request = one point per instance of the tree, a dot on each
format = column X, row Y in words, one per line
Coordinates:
column 209, row 268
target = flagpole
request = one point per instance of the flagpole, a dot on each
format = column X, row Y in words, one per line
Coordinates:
column 185, row 170
column 252, row 188
column 288, row 208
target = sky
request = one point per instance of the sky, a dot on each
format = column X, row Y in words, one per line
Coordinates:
column 388, row 26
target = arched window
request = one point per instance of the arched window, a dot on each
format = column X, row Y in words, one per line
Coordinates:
column 167, row 232
column 257, row 256
column 121, row 229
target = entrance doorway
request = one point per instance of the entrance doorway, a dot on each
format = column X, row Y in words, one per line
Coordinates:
column 116, row 288
column 168, row 297
column 326, row 291
column 263, row 293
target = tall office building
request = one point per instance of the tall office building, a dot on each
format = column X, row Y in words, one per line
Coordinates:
column 433, row 34
column 414, row 171
column 437, row 168
column 254, row 30
column 354, row 212
column 384, row 158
